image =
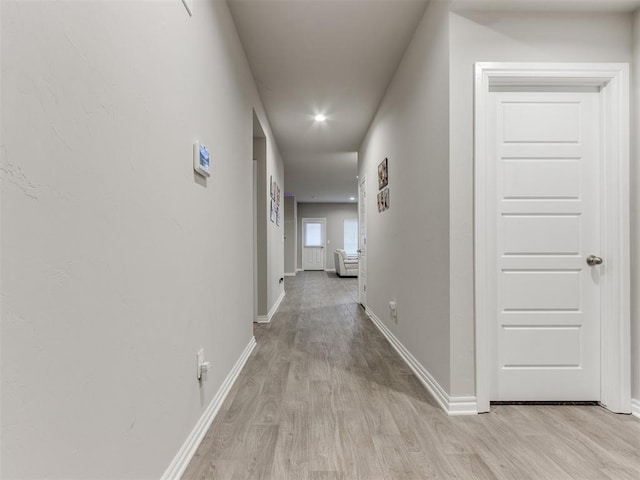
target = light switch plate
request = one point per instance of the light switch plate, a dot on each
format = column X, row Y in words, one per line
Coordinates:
column 188, row 4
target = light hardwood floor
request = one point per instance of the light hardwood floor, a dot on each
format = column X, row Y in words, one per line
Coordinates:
column 324, row 396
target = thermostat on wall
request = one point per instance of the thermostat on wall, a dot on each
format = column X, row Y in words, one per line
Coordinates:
column 201, row 159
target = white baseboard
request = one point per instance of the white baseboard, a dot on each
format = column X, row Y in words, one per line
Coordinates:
column 463, row 406
column 188, row 449
column 267, row 318
column 330, row 270
column 290, row 274
column 451, row 405
column 635, row 407
column 299, row 270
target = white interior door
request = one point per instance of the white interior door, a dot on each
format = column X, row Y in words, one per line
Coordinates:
column 543, row 151
column 362, row 242
column 313, row 242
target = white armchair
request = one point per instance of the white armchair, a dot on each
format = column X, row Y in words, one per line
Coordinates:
column 346, row 265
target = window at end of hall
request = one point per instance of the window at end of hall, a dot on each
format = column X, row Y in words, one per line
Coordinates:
column 351, row 237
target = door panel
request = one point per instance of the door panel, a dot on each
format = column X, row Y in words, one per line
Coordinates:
column 540, row 290
column 541, row 347
column 543, row 122
column 542, row 179
column 313, row 241
column 541, row 235
column 545, row 147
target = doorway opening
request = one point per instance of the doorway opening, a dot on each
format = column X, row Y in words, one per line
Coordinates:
column 313, row 243
column 260, row 307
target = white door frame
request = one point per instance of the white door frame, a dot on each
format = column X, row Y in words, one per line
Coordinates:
column 362, row 260
column 324, row 239
column 613, row 81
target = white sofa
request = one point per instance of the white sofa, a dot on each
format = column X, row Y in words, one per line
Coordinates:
column 346, row 266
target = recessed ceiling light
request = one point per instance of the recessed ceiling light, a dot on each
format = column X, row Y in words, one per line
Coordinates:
column 352, row 198
column 320, row 118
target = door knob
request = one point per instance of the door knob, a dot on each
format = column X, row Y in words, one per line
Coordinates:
column 593, row 260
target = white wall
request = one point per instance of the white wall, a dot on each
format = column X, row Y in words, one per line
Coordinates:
column 408, row 245
column 493, row 37
column 275, row 232
column 262, row 220
column 336, row 214
column 290, row 235
column 635, row 210
column 117, row 262
column 1, row 208
column 430, row 142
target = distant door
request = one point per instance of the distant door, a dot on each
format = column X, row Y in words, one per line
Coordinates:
column 313, row 239
column 545, row 147
column 362, row 243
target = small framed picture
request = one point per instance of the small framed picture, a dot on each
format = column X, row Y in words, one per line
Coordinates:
column 277, row 194
column 273, row 211
column 277, row 214
column 383, row 174
column 383, row 200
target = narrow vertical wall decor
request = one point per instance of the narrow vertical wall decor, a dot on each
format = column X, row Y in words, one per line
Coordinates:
column 383, row 181
column 383, row 200
column 383, row 174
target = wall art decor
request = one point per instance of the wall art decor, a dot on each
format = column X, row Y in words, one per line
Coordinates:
column 383, row 200
column 383, row 174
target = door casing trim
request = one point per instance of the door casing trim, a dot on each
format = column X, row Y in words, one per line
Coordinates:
column 613, row 81
column 362, row 182
column 324, row 238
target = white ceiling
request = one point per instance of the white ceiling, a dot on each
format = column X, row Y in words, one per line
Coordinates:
column 337, row 57
column 321, row 56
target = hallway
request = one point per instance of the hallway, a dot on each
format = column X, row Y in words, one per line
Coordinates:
column 324, row 396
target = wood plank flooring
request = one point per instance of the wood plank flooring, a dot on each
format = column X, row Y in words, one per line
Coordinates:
column 324, row 396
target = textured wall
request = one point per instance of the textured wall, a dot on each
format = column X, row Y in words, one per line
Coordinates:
column 118, row 263
column 290, row 234
column 408, row 245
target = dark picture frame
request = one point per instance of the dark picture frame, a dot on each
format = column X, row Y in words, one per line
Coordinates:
column 383, row 200
column 383, row 174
